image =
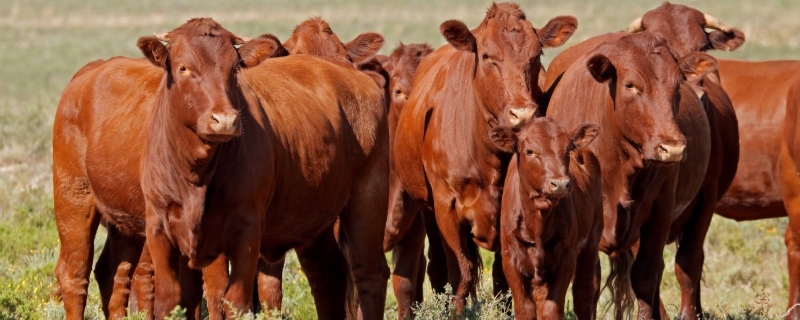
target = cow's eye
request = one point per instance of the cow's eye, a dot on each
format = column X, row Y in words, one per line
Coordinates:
column 182, row 68
column 628, row 85
column 529, row 152
column 485, row 56
column 398, row 92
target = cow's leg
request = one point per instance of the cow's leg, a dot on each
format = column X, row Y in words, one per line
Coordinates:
column 166, row 261
column 790, row 186
column 551, row 295
column 270, row 276
column 461, row 267
column 244, row 255
column 191, row 281
column 402, row 212
column 499, row 282
column 363, row 221
column 143, row 287
column 215, row 279
column 77, row 221
column 690, row 255
column 586, row 283
column 437, row 260
column 113, row 270
column 406, row 256
column 521, row 291
column 648, row 266
column 326, row 269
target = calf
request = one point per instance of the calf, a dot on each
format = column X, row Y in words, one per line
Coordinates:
column 551, row 219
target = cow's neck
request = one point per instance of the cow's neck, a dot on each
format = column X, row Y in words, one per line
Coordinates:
column 178, row 164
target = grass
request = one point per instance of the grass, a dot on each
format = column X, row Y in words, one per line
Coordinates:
column 44, row 42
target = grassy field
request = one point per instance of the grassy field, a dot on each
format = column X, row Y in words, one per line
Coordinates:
column 43, row 43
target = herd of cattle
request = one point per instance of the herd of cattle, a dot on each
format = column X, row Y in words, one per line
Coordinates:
column 211, row 158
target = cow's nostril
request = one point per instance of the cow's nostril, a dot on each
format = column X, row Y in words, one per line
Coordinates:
column 553, row 184
column 215, row 118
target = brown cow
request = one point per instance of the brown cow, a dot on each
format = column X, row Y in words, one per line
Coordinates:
column 315, row 37
column 552, row 219
column 761, row 93
column 647, row 105
column 790, row 182
column 409, row 272
column 683, row 27
column 339, row 160
column 483, row 78
column 269, row 273
column 99, row 135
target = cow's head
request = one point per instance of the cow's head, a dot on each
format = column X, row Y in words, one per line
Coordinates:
column 684, row 29
column 315, row 37
column 201, row 64
column 507, row 52
column 643, row 79
column 401, row 66
column 200, row 94
column 542, row 148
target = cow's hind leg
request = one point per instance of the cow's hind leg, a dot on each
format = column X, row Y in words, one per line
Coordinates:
column 363, row 221
column 114, row 270
column 324, row 265
column 437, row 259
column 690, row 256
column 77, row 221
column 790, row 186
column 405, row 278
column 270, row 276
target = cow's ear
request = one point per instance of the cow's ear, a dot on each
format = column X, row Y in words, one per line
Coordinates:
column 584, row 135
column 504, row 139
column 727, row 41
column 695, row 66
column 601, row 68
column 364, row 47
column 557, row 31
column 154, row 50
column 259, row 49
column 458, row 35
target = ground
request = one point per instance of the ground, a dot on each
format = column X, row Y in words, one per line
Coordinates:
column 45, row 42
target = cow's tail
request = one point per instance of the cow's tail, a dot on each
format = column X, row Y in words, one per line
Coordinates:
column 351, row 298
column 619, row 284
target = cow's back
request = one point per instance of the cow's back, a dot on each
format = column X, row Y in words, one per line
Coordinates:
column 758, row 91
column 99, row 132
column 326, row 122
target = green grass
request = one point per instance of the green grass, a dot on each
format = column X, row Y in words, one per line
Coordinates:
column 43, row 43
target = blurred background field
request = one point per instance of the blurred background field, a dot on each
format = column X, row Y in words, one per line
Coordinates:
column 43, row 43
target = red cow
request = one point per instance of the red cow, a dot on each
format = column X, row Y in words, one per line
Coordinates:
column 647, row 105
column 552, row 219
column 483, row 78
column 762, row 95
column 270, row 287
column 790, row 181
column 315, row 37
column 683, row 28
column 99, row 135
column 409, row 273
